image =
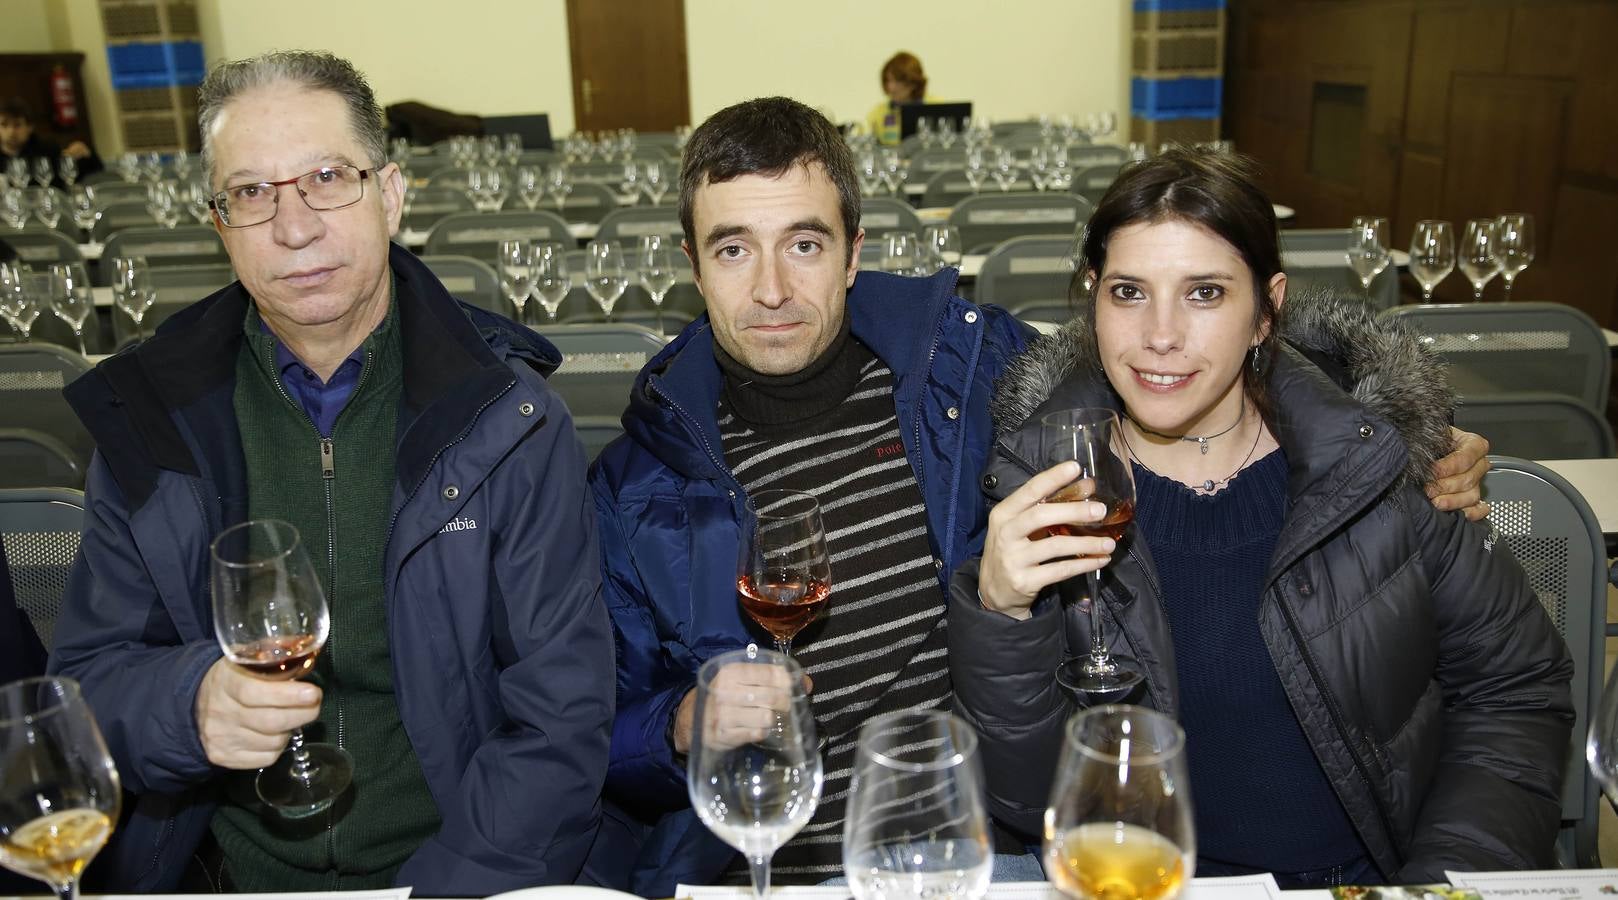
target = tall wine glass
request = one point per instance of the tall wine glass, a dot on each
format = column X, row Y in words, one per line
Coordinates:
column 530, row 186
column 1091, row 437
column 1119, row 825
column 1477, row 258
column 1514, row 243
column 14, row 207
column 754, row 773
column 604, row 275
column 1601, row 741
column 270, row 617
column 18, row 301
column 944, row 243
column 17, row 172
column 783, row 573
column 60, row 794
column 550, row 277
column 81, row 206
column 69, row 167
column 560, row 182
column 70, row 298
column 657, row 271
column 48, row 206
column 132, row 288
column 1432, row 255
column 1368, row 249
column 901, row 254
column 916, row 826
column 655, row 181
column 517, row 274
column 44, row 171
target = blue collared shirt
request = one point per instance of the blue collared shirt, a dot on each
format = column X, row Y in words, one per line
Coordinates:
column 323, row 401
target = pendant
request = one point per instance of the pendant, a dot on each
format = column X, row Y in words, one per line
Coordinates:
column 1203, row 442
column 1208, row 486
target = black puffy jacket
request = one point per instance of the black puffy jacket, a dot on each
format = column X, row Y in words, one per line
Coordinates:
column 1429, row 680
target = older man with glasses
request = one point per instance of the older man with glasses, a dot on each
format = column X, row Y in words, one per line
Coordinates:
column 439, row 487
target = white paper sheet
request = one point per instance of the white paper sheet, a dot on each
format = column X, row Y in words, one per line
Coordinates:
column 1246, row 887
column 1574, row 884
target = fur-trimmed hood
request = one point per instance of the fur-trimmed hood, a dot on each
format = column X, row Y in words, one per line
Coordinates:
column 1382, row 364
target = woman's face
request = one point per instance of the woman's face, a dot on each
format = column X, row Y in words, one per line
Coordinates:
column 1174, row 324
column 897, row 91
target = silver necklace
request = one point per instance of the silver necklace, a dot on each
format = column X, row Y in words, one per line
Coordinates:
column 1208, row 485
column 1202, row 442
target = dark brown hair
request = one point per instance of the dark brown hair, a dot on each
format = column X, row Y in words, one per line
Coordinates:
column 905, row 69
column 766, row 137
column 16, row 108
column 1213, row 189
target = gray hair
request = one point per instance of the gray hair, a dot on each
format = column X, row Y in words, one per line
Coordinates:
column 310, row 69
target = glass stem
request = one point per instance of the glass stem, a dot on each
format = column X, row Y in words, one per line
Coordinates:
column 1508, row 282
column 1477, row 294
column 760, row 866
column 783, row 646
column 302, row 768
column 657, row 302
column 1100, row 660
column 67, row 891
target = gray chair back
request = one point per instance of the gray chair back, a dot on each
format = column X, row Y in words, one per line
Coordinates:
column 1031, row 276
column 110, row 192
column 478, row 235
column 429, row 205
column 1554, row 535
column 176, row 287
column 1499, row 347
column 1081, row 156
column 38, row 247
column 32, row 377
column 629, row 224
column 115, row 217
column 473, row 281
column 596, row 432
column 589, row 203
column 29, row 458
column 682, row 304
column 1318, row 258
column 599, row 364
column 986, row 220
column 1091, row 181
column 880, row 215
column 41, row 528
column 926, row 164
column 182, row 245
column 1536, row 425
column 946, row 189
column 448, row 177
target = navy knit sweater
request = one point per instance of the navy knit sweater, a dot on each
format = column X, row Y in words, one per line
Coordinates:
column 1262, row 801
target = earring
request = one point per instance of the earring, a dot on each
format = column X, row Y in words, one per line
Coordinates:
column 1255, row 359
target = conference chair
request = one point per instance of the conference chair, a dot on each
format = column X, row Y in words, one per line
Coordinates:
column 1030, row 276
column 988, row 219
column 40, row 528
column 1081, row 156
column 115, row 191
column 182, row 245
column 599, row 364
column 176, row 287
column 478, row 235
column 32, row 377
column 1498, row 347
column 629, row 224
column 1091, row 181
column 682, row 304
column 1318, row 258
column 115, row 217
column 29, row 458
column 946, row 189
column 1554, row 535
column 39, row 247
column 925, row 164
column 1536, row 425
column 426, row 206
column 880, row 215
column 474, row 281
column 589, row 203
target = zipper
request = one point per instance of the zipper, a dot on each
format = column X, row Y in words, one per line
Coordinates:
column 702, row 438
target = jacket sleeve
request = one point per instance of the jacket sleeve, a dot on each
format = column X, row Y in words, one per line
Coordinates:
column 643, row 771
column 1508, row 712
column 529, row 806
column 114, row 636
column 1003, row 671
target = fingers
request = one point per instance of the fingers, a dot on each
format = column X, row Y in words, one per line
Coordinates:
column 243, row 722
column 1468, row 450
column 1035, row 490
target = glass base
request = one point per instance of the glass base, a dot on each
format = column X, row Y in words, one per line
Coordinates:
column 298, row 796
column 1090, row 683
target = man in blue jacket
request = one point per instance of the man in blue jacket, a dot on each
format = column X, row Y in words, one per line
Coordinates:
column 439, row 488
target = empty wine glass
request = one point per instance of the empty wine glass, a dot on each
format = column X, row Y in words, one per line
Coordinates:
column 14, row 207
column 1514, row 243
column 657, row 271
column 163, row 203
column 560, row 183
column 151, row 166
column 783, row 572
column 943, row 242
column 977, row 167
column 60, row 797
column 44, row 171
column 754, row 772
column 129, row 168
column 1091, row 438
column 550, row 277
column 69, row 167
column 1478, row 260
column 1432, row 255
column 924, row 132
column 916, row 826
column 194, row 197
column 1120, row 824
column 629, row 181
column 1368, row 253
column 893, row 168
column 18, row 301
column 132, row 289
column 604, row 275
column 486, row 187
column 182, row 164
column 1039, row 167
column 1005, row 168
column 17, row 172
column 901, row 253
column 47, row 206
column 271, row 620
column 81, row 206
column 656, row 182
column 70, row 298
column 869, row 172
column 530, row 185
column 511, row 145
column 516, row 263
column 946, row 132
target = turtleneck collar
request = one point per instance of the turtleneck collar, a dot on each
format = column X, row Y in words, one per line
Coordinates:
column 780, row 401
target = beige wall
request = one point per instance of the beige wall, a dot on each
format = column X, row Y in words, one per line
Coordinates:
column 25, row 27
column 507, row 56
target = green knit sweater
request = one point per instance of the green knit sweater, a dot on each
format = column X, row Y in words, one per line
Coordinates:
column 342, row 512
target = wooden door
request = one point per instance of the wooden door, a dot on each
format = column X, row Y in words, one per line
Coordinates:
column 629, row 67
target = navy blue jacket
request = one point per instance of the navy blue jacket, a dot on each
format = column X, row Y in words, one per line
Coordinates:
column 669, row 510
column 502, row 656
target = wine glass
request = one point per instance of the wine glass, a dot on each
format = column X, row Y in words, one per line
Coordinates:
column 530, row 185
column 629, row 181
column 1005, row 168
column 70, row 298
column 60, row 797
column 129, row 168
column 1368, row 253
column 132, row 288
column 81, row 206
column 151, row 166
column 486, row 188
column 869, row 172
column 916, row 825
column 270, row 617
column 69, row 167
column 657, row 271
column 560, row 182
column 783, row 573
column 550, row 277
column 901, row 255
column 163, row 203
column 182, row 164
column 1432, row 255
column 195, row 199
column 1039, row 167
column 753, row 785
column 1119, row 824
column 1477, row 257
column 517, row 273
column 14, row 208
column 1514, row 243
column 47, row 206
column 1092, row 438
column 977, row 167
column 17, row 172
column 604, row 275
column 944, row 243
column 18, row 302
column 44, row 171
column 655, row 181
column 511, row 144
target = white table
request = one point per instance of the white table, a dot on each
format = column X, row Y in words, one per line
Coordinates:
column 1597, row 480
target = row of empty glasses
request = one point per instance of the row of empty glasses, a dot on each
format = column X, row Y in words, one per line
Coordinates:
column 942, row 131
column 64, row 290
column 167, row 202
column 1501, row 246
column 904, row 254
column 540, row 270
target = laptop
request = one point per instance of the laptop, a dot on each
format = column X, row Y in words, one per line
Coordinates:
column 909, row 113
column 535, row 129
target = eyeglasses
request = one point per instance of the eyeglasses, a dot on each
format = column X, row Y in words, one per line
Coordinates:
column 326, row 188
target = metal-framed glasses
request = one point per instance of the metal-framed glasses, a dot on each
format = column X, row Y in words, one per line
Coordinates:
column 326, row 188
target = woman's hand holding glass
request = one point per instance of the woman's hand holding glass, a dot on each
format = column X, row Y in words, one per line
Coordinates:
column 1028, row 549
